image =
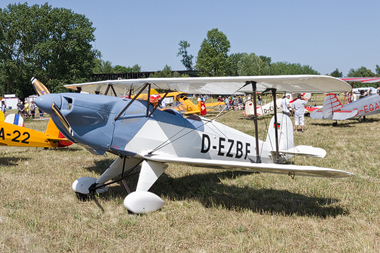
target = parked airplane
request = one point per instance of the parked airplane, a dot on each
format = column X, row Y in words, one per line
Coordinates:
column 13, row 132
column 14, row 135
column 268, row 108
column 334, row 110
column 141, row 135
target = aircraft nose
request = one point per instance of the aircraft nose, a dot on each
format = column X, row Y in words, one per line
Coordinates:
column 45, row 102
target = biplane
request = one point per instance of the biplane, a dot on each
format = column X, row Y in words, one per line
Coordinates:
column 148, row 139
column 333, row 109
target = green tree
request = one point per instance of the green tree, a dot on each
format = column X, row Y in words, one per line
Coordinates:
column 233, row 61
column 336, row 73
column 135, row 68
column 53, row 44
column 377, row 70
column 360, row 72
column 212, row 57
column 285, row 68
column 252, row 65
column 187, row 60
column 166, row 72
column 120, row 69
column 103, row 67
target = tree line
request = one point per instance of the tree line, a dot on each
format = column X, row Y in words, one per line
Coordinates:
column 54, row 44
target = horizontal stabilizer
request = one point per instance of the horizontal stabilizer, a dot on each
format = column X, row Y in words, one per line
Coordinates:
column 342, row 115
column 251, row 166
column 303, row 150
column 316, row 114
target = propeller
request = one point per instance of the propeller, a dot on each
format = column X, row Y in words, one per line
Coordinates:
column 62, row 118
column 39, row 87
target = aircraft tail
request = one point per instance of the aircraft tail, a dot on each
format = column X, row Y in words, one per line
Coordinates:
column 330, row 104
column 54, row 134
column 285, row 133
column 286, row 146
column 332, row 109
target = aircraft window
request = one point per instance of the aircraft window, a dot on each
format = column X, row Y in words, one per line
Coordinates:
column 169, row 111
column 194, row 117
column 69, row 103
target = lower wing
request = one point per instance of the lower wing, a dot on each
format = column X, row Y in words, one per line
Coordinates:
column 252, row 167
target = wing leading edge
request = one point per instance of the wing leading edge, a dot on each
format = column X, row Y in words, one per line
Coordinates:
column 223, row 85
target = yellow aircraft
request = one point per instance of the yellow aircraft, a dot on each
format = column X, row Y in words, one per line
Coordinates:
column 180, row 102
column 14, row 135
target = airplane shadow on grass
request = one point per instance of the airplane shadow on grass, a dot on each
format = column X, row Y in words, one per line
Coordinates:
column 11, row 161
column 208, row 190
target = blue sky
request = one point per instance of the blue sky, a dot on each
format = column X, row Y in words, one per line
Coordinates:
column 323, row 34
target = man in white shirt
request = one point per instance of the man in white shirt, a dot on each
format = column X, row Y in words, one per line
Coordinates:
column 299, row 112
column 285, row 105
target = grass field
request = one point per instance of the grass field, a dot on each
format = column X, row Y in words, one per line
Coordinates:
column 205, row 210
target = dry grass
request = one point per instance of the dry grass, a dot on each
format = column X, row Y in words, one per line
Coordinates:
column 205, row 210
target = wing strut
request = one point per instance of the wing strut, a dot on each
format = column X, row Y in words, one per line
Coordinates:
column 113, row 90
column 275, row 124
column 133, row 99
column 254, row 88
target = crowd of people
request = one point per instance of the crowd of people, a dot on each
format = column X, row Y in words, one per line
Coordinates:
column 25, row 109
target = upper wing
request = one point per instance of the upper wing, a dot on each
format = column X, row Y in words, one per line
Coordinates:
column 253, row 167
column 362, row 79
column 223, row 85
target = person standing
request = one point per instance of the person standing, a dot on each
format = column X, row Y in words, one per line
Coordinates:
column 33, row 109
column 260, row 100
column 299, row 112
column 285, row 104
column 363, row 94
column 3, row 107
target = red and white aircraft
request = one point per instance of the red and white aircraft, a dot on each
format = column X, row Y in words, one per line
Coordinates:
column 333, row 109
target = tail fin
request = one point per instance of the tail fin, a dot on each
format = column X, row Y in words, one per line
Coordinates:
column 52, row 130
column 330, row 104
column 54, row 134
column 285, row 133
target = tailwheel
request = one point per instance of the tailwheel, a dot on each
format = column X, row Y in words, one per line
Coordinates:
column 335, row 124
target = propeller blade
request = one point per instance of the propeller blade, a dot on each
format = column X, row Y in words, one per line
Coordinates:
column 39, row 87
column 62, row 118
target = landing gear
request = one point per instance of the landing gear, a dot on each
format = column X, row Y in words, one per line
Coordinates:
column 82, row 197
column 335, row 124
column 139, row 201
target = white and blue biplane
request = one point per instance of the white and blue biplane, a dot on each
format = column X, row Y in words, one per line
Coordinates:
column 148, row 138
